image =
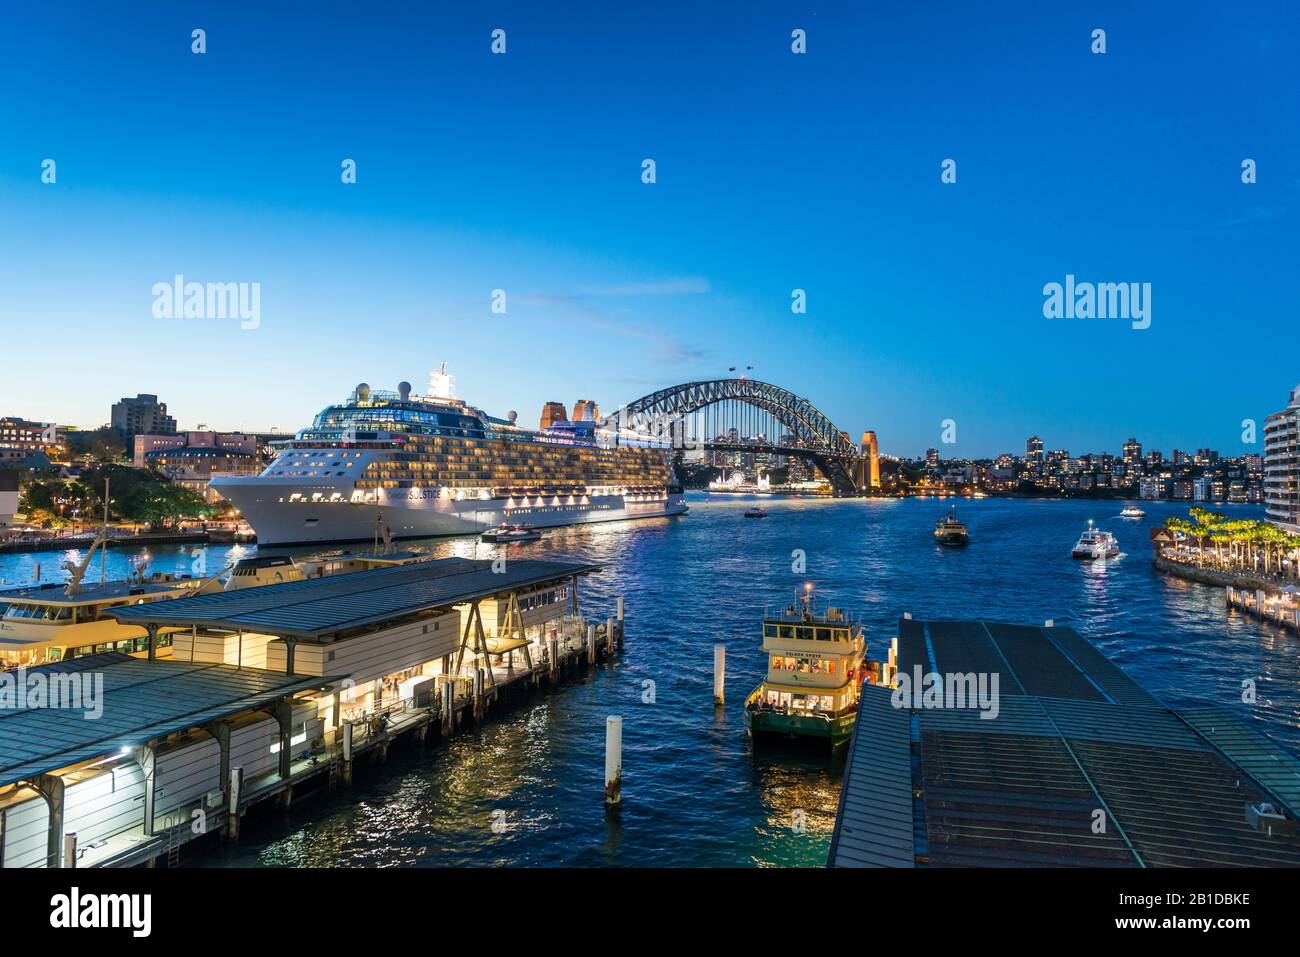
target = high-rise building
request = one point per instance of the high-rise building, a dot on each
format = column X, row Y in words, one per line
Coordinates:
column 1282, row 465
column 1034, row 448
column 553, row 412
column 932, row 458
column 142, row 415
column 1132, row 452
column 871, row 452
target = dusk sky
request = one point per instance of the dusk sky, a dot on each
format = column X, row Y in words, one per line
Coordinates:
column 775, row 171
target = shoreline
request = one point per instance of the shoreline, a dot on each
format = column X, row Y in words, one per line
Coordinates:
column 85, row 541
column 1215, row 577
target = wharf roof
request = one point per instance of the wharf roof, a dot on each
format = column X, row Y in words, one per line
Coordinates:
column 1074, row 739
column 141, row 700
column 318, row 609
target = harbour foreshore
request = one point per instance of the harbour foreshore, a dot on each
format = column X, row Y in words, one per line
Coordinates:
column 1269, row 599
column 1215, row 576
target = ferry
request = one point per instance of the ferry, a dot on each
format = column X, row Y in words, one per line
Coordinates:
column 1131, row 511
column 816, row 666
column 435, row 465
column 274, row 569
column 50, row 622
column 1095, row 543
column 949, row 531
column 505, row 533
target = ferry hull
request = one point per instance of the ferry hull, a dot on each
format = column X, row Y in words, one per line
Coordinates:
column 415, row 513
column 774, row 724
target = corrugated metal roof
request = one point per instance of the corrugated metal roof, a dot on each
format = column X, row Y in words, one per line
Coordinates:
column 873, row 826
column 324, row 606
column 141, row 700
column 1267, row 763
column 1029, row 786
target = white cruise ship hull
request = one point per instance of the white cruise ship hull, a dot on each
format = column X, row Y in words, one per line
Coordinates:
column 415, row 513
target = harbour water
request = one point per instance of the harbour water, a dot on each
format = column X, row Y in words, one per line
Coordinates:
column 527, row 788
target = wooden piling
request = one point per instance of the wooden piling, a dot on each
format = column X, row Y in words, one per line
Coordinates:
column 719, row 673
column 613, row 762
column 347, row 753
column 232, row 810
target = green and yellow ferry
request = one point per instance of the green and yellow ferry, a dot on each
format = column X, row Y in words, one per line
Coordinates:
column 815, row 668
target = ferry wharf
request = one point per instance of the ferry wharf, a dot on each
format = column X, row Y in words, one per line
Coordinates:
column 1079, row 767
column 275, row 691
column 1280, row 607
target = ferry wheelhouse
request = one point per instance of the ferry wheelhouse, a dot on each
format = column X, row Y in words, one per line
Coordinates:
column 437, row 466
column 816, row 666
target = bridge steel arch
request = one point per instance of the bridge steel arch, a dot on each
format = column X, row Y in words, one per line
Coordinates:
column 816, row 436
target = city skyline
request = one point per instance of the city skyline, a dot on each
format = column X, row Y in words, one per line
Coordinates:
column 186, row 422
column 776, row 172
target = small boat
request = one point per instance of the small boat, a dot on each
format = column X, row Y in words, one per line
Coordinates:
column 816, row 667
column 1095, row 543
column 1131, row 511
column 756, row 511
column 507, row 532
column 949, row 531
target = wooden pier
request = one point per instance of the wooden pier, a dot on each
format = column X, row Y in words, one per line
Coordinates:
column 1277, row 607
column 331, row 765
column 285, row 689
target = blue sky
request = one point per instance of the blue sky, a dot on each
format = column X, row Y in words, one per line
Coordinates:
column 775, row 172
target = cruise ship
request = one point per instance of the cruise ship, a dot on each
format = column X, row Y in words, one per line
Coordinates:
column 433, row 465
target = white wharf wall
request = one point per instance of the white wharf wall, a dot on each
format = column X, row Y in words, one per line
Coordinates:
column 250, row 748
column 381, row 653
column 184, row 771
column 106, row 803
column 27, row 832
column 246, row 651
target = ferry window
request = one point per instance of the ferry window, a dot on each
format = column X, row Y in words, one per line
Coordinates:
column 787, row 631
column 769, row 631
column 823, row 634
column 805, row 633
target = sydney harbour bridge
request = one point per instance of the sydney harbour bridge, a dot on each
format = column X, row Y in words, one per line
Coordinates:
column 748, row 415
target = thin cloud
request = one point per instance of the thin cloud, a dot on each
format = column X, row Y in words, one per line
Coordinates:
column 686, row 286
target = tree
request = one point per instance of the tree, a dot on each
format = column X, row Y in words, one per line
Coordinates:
column 145, row 496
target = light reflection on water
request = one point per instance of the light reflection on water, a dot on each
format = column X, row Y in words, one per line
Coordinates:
column 694, row 792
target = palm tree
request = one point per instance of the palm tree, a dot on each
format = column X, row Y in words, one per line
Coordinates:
column 1292, row 548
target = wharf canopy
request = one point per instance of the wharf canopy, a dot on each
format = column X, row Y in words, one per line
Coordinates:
column 267, row 680
column 381, row 629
